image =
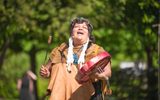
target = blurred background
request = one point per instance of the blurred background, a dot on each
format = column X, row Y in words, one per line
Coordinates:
column 127, row 29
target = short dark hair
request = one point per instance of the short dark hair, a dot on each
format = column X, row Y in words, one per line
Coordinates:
column 80, row 20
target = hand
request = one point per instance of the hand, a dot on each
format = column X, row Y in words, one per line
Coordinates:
column 44, row 72
column 99, row 74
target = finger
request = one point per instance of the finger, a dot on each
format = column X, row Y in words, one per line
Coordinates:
column 43, row 72
column 43, row 67
column 101, row 69
column 43, row 75
column 98, row 70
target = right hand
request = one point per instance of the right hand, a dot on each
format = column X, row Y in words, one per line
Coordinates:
column 44, row 71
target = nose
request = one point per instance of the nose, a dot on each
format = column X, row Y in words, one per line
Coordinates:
column 80, row 27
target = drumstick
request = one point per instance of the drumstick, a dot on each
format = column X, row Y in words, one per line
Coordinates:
column 49, row 42
column 47, row 50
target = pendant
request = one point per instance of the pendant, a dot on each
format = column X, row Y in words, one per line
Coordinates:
column 75, row 57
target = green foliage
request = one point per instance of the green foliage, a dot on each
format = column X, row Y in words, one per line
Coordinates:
column 15, row 66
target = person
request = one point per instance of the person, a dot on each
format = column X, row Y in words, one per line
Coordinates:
column 65, row 61
column 25, row 86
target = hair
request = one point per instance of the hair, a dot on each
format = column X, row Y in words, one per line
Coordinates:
column 80, row 20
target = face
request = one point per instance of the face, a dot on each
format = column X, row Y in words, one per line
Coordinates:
column 80, row 33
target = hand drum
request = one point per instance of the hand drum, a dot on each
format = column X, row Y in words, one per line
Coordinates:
column 101, row 60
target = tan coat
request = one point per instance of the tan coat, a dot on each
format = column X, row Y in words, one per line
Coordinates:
column 62, row 84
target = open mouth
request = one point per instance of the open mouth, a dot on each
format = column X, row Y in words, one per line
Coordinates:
column 79, row 33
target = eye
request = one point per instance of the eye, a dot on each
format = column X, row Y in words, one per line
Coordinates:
column 85, row 27
column 75, row 26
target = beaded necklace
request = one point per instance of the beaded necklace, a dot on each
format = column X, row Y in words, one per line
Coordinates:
column 75, row 55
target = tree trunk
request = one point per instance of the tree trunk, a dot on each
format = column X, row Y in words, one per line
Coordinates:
column 33, row 63
column 3, row 52
column 152, row 92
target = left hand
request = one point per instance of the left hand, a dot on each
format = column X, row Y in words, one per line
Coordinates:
column 99, row 74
